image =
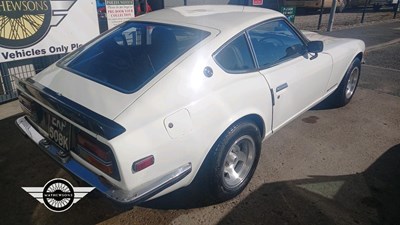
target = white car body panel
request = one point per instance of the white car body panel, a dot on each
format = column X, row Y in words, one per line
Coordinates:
column 206, row 99
column 178, row 116
column 342, row 50
column 296, row 75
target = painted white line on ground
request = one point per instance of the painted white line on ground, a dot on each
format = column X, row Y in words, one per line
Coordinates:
column 382, row 45
column 380, row 67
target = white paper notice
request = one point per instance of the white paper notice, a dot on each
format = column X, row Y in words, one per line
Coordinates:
column 119, row 11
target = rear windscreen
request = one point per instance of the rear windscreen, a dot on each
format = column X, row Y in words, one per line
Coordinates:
column 131, row 55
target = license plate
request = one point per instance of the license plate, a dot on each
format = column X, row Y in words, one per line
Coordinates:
column 59, row 131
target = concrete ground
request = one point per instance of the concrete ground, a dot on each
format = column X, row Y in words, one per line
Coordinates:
column 329, row 166
column 9, row 109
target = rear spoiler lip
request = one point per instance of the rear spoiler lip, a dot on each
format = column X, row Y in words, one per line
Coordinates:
column 77, row 113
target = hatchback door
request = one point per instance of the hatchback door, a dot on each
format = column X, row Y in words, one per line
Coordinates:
column 112, row 71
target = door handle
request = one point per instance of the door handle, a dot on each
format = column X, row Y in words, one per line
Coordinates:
column 281, row 87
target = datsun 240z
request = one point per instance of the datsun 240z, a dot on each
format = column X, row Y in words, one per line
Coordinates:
column 141, row 109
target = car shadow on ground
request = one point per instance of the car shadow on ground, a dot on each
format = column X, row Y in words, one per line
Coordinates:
column 370, row 197
column 23, row 165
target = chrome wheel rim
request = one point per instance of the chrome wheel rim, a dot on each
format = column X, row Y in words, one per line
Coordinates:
column 352, row 82
column 238, row 161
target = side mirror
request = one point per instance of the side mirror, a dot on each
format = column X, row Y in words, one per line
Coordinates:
column 315, row 46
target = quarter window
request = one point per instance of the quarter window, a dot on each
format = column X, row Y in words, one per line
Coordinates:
column 236, row 57
column 274, row 42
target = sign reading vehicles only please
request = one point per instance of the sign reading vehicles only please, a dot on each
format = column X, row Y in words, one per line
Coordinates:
column 33, row 28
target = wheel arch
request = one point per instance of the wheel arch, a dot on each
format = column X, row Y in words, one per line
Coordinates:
column 253, row 118
column 360, row 56
column 256, row 119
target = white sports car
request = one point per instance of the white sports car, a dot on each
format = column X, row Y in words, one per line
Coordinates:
column 139, row 110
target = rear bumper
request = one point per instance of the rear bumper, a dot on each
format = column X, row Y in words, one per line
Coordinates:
column 109, row 190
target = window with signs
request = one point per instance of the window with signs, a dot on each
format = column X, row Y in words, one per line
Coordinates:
column 235, row 57
column 274, row 42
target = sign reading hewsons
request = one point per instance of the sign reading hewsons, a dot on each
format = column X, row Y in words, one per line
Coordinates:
column 33, row 28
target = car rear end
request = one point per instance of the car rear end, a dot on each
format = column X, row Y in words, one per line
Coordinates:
column 70, row 134
column 70, row 108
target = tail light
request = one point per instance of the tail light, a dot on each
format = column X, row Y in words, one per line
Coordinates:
column 90, row 146
column 96, row 153
column 32, row 110
column 27, row 106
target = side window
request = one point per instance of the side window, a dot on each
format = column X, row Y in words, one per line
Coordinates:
column 274, row 42
column 236, row 57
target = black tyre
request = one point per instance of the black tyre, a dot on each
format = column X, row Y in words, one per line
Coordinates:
column 233, row 160
column 348, row 85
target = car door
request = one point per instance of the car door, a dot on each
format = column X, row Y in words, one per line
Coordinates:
column 297, row 78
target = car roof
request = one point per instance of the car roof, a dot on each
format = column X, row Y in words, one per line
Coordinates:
column 219, row 17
